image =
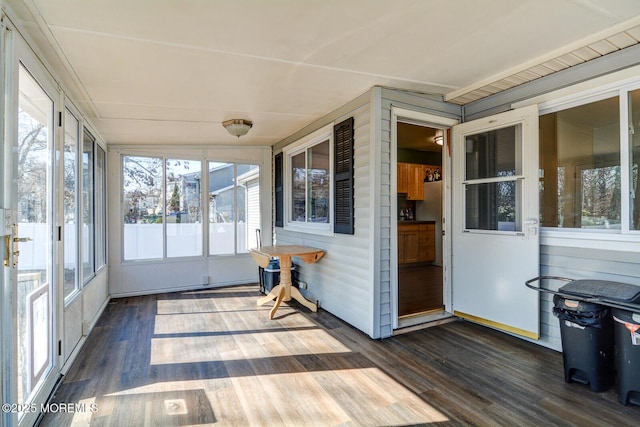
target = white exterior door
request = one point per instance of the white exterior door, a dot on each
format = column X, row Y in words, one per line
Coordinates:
column 495, row 242
column 29, row 272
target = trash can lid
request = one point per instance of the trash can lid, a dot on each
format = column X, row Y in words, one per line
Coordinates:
column 624, row 316
column 616, row 291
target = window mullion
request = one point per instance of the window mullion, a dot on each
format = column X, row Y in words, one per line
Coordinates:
column 235, row 208
column 165, row 208
column 625, row 163
column 204, row 202
column 307, row 186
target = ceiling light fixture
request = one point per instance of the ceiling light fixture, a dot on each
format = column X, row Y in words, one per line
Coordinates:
column 237, row 127
column 439, row 138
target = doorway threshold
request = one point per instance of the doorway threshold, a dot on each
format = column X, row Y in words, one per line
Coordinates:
column 425, row 319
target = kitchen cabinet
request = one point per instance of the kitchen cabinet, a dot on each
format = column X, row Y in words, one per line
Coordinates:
column 416, row 242
column 403, row 177
column 410, row 179
column 415, row 190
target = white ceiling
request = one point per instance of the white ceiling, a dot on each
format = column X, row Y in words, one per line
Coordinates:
column 171, row 71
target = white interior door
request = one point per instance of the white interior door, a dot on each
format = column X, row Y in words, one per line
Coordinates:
column 495, row 242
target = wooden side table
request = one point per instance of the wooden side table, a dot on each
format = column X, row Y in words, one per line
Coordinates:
column 284, row 291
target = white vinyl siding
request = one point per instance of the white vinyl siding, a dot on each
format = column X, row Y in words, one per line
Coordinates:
column 253, row 212
column 580, row 263
column 352, row 281
column 342, row 280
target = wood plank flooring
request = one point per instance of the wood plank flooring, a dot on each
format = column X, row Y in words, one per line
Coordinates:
column 212, row 357
column 419, row 288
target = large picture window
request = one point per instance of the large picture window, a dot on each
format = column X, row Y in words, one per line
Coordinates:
column 589, row 162
column 164, row 209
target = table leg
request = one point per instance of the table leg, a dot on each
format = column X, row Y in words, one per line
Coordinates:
column 284, row 291
column 272, row 312
column 285, row 276
column 273, row 294
column 296, row 295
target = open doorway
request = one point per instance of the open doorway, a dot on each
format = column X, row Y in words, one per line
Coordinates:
column 420, row 263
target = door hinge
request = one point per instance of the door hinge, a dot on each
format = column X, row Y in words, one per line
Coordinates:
column 59, row 347
column 59, row 233
column 59, row 118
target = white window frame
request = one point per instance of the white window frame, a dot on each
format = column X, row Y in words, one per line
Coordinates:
column 301, row 146
column 623, row 239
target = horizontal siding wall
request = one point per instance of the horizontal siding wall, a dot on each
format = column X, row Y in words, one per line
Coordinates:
column 342, row 280
column 415, row 102
column 579, row 263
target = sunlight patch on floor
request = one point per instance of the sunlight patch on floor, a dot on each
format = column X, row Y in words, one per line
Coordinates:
column 194, row 349
column 365, row 396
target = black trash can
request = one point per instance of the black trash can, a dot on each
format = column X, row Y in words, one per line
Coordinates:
column 271, row 276
column 586, row 330
column 627, row 355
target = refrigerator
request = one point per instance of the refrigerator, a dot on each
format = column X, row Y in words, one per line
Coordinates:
column 430, row 209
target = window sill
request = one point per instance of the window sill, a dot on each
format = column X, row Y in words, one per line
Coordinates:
column 320, row 230
column 590, row 239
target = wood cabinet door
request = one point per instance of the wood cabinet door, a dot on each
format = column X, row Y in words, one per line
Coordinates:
column 408, row 244
column 427, row 242
column 403, row 177
column 411, row 246
column 416, row 179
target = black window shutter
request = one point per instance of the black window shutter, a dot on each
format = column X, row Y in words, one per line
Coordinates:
column 278, row 190
column 343, row 179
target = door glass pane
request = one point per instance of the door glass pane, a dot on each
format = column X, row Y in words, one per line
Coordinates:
column 492, row 206
column 493, row 154
column 184, row 213
column 33, row 264
column 319, row 182
column 634, row 158
column 88, row 193
column 143, row 206
column 71, row 143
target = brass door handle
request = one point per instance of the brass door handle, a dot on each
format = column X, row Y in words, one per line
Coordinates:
column 7, row 250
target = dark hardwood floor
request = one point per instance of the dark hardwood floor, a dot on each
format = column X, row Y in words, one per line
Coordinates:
column 419, row 288
column 212, row 357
